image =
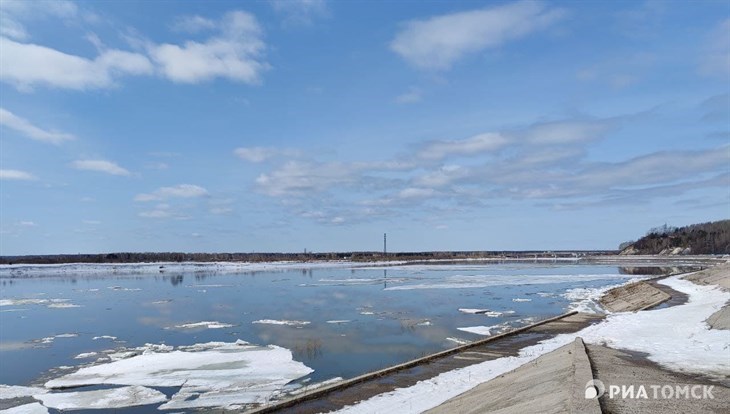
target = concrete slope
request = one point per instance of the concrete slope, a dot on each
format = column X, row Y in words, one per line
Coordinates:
column 718, row 275
column 553, row 383
column 621, row 368
column 633, row 297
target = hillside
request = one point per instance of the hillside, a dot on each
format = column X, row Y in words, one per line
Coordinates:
column 704, row 238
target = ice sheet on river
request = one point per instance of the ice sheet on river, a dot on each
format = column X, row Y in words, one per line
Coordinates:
column 480, row 281
column 16, row 391
column 32, row 408
column 211, row 374
column 102, row 399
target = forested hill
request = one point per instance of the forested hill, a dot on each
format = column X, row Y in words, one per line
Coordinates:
column 703, row 238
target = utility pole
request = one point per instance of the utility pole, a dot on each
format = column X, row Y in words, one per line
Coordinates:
column 385, row 244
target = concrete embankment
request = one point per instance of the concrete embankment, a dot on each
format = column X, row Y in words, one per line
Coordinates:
column 554, row 383
column 546, row 382
column 633, row 297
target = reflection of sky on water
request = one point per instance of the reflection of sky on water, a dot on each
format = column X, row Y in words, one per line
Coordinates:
column 385, row 308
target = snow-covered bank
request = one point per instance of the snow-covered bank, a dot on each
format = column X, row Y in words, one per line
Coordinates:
column 675, row 337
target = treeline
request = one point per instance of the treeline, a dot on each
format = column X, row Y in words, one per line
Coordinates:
column 274, row 257
column 704, row 238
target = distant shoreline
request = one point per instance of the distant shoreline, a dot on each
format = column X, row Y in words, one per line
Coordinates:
column 177, row 257
column 629, row 263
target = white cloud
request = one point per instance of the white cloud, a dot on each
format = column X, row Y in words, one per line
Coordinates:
column 261, row 154
column 178, row 191
column 13, row 12
column 27, row 65
column 193, row 24
column 716, row 58
column 566, row 132
column 27, row 224
column 163, row 211
column 438, row 42
column 300, row 12
column 16, row 175
column 299, row 178
column 234, row 53
column 413, row 95
column 102, row 166
column 12, row 121
column 487, row 142
column 442, row 177
column 415, row 192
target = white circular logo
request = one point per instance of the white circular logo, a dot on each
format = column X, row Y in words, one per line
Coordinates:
column 594, row 389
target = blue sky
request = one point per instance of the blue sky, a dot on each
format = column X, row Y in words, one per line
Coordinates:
column 290, row 125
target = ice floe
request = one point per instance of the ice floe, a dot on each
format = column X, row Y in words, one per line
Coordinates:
column 482, row 330
column 50, row 339
column 16, row 391
column 281, row 322
column 473, row 311
column 17, row 302
column 486, row 312
column 32, row 408
column 311, row 387
column 215, row 374
column 204, row 324
column 339, row 321
column 521, row 300
column 50, row 303
column 112, row 338
column 586, row 299
column 63, row 305
column 123, row 289
column 86, row 355
column 102, row 399
column 458, row 340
